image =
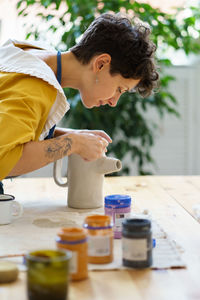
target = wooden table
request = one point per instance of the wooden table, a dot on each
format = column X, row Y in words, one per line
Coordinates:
column 170, row 201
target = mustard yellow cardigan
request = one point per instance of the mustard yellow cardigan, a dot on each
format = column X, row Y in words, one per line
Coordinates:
column 25, row 103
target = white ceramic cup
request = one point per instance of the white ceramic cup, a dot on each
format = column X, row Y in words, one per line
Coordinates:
column 9, row 209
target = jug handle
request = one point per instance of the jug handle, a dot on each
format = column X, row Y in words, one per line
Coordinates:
column 57, row 167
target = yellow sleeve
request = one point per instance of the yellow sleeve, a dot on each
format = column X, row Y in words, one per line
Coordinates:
column 25, row 102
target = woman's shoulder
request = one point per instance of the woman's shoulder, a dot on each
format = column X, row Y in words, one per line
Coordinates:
column 14, row 60
column 23, row 79
column 26, row 85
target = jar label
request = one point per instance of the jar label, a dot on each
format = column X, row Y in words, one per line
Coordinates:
column 134, row 249
column 99, row 246
column 119, row 218
column 73, row 262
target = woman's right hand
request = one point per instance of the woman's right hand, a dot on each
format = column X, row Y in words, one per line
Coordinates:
column 88, row 145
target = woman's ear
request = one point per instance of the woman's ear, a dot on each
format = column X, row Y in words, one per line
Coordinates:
column 101, row 61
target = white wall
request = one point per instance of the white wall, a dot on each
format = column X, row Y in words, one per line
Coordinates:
column 177, row 149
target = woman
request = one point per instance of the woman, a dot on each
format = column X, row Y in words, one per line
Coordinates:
column 111, row 58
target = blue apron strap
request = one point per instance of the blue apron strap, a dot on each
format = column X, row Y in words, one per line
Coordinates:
column 51, row 131
column 59, row 76
column 1, row 188
column 59, row 67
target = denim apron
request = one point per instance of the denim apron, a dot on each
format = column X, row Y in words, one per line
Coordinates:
column 51, row 131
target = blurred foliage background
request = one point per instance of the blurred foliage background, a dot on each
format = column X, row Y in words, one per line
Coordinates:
column 132, row 132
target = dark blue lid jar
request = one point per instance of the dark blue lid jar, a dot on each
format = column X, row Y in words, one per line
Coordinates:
column 137, row 243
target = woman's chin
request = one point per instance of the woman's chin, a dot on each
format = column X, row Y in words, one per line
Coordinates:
column 88, row 105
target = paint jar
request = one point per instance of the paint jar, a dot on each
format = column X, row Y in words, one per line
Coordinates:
column 47, row 274
column 100, row 239
column 137, row 243
column 119, row 208
column 75, row 240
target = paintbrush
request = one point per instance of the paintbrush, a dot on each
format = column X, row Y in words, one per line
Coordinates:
column 12, row 255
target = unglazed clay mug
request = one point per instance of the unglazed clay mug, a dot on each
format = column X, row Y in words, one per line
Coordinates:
column 10, row 209
column 85, row 179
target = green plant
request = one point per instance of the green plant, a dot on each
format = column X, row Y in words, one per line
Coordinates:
column 127, row 123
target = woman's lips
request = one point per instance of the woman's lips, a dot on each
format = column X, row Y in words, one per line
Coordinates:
column 100, row 103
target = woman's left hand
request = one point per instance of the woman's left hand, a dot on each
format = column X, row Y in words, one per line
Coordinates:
column 98, row 132
column 61, row 131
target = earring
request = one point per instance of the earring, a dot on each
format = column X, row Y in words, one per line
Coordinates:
column 97, row 80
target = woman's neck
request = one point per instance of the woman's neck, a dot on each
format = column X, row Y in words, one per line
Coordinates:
column 72, row 69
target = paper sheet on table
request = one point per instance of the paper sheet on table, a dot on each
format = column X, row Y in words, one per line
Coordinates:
column 41, row 221
column 165, row 255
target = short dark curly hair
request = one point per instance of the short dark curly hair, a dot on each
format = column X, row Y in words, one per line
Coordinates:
column 131, row 51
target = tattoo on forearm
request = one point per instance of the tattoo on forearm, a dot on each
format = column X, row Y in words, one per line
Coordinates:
column 58, row 148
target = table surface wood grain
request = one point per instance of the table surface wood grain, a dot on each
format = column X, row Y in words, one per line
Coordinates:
column 170, row 200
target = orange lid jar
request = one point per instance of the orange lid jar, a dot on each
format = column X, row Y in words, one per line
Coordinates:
column 75, row 240
column 100, row 239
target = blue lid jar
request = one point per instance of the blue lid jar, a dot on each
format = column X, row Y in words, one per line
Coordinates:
column 119, row 208
column 117, row 201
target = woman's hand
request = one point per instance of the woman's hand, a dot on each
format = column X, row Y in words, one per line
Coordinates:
column 99, row 133
column 90, row 145
column 61, row 131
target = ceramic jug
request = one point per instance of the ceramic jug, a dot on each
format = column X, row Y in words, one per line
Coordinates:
column 85, row 179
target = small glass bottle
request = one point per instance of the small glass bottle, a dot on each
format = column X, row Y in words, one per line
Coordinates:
column 47, row 274
column 137, row 243
column 75, row 240
column 119, row 208
column 100, row 239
